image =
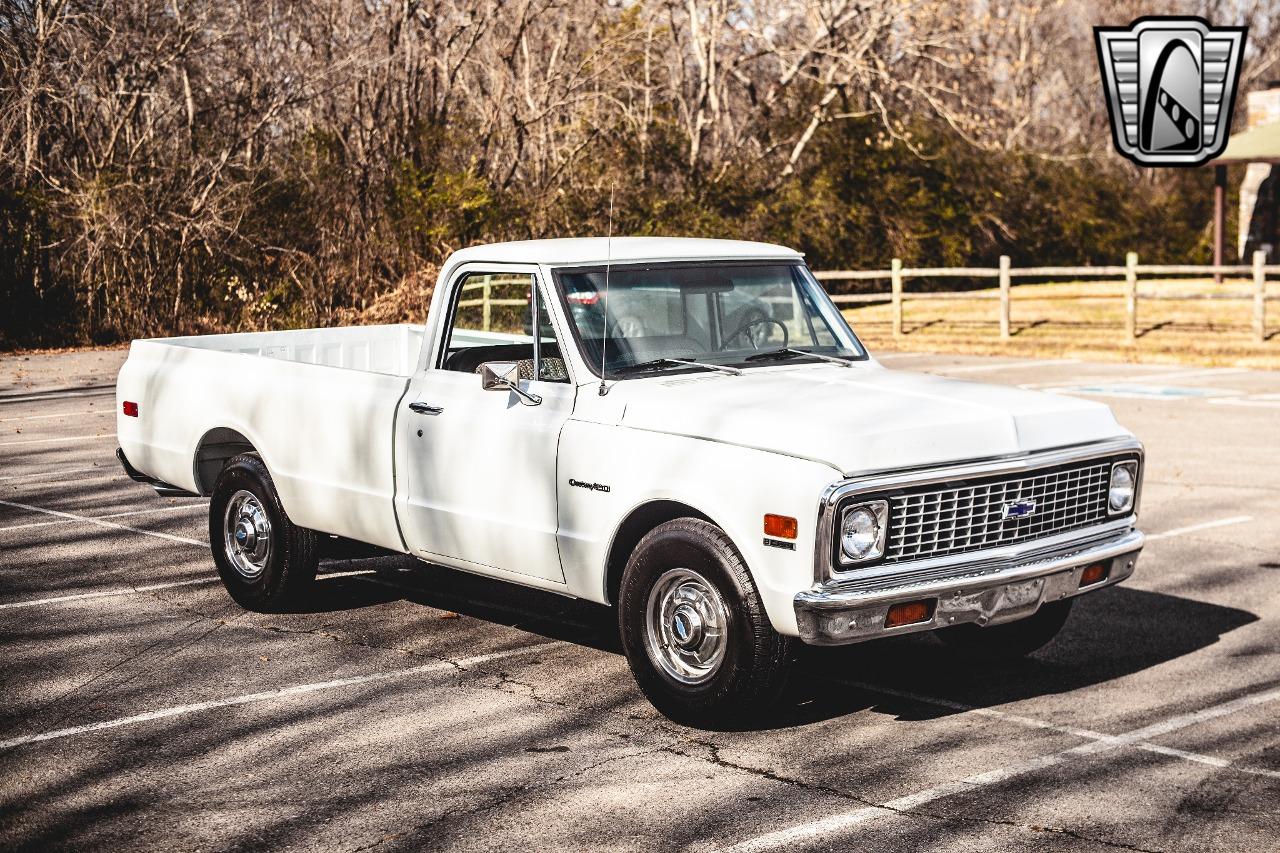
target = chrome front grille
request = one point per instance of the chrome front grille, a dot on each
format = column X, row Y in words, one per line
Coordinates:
column 954, row 520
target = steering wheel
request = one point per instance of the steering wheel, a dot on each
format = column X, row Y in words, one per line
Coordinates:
column 754, row 340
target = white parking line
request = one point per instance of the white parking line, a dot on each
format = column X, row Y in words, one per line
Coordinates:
column 1032, row 722
column 268, row 695
column 1141, row 377
column 59, row 473
column 902, row 356
column 61, row 415
column 181, row 508
column 60, row 395
column 1009, row 365
column 96, row 437
column 110, row 593
column 839, row 822
column 1195, row 528
column 1260, row 401
column 100, row 523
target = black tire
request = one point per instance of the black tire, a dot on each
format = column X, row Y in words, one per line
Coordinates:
column 1013, row 639
column 287, row 567
column 751, row 671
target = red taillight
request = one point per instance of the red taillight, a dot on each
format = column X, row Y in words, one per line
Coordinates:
column 583, row 298
column 130, row 409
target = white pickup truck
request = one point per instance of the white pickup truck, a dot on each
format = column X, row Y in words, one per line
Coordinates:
column 713, row 452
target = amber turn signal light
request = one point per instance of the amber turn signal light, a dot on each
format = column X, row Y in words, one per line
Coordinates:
column 1093, row 574
column 780, row 526
column 909, row 613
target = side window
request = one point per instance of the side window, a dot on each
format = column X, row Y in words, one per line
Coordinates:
column 820, row 332
column 489, row 306
column 493, row 319
column 770, row 311
column 697, row 319
column 550, row 366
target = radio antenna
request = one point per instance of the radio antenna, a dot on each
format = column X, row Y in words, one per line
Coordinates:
column 608, row 262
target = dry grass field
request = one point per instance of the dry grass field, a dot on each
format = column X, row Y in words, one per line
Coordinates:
column 1087, row 319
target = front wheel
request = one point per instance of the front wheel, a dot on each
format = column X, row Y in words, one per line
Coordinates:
column 267, row 562
column 694, row 629
column 1013, row 639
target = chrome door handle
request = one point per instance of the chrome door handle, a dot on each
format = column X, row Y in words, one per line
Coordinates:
column 425, row 408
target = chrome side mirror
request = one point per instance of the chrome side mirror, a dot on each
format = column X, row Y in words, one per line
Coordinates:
column 505, row 376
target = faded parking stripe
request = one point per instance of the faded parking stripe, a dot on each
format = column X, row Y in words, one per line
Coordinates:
column 818, row 829
column 100, row 523
column 268, row 695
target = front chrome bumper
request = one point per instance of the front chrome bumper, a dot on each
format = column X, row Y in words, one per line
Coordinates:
column 985, row 592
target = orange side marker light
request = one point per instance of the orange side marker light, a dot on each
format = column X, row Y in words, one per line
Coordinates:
column 780, row 526
column 909, row 613
column 1096, row 573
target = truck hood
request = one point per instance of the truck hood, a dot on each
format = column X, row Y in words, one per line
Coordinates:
column 864, row 419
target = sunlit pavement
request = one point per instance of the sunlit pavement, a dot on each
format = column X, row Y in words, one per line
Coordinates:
column 417, row 707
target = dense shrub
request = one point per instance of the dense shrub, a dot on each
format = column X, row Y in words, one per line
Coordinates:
column 172, row 168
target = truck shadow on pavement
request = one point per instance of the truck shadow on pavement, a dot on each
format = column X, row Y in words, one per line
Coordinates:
column 1111, row 634
column 450, row 591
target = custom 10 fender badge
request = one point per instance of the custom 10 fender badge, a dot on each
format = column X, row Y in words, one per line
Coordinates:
column 595, row 487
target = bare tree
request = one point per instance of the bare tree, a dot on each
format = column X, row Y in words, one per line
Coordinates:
column 171, row 164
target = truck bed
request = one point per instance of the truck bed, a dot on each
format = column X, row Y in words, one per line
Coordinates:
column 374, row 349
column 319, row 405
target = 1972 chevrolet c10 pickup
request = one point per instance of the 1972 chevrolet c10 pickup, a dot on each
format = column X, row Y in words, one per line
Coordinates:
column 715, row 454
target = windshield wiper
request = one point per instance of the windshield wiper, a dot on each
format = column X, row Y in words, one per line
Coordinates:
column 791, row 352
column 655, row 363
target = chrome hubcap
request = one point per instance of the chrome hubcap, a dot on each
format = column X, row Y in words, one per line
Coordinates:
column 686, row 624
column 246, row 534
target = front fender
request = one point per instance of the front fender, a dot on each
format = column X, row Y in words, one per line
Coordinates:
column 731, row 485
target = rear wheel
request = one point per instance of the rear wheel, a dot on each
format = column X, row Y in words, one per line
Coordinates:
column 1013, row 639
column 267, row 563
column 694, row 629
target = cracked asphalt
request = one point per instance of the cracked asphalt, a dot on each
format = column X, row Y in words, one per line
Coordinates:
column 414, row 707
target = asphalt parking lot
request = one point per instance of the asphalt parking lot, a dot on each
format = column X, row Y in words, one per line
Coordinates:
column 417, row 707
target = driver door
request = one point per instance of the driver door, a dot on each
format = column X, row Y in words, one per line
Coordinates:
column 479, row 466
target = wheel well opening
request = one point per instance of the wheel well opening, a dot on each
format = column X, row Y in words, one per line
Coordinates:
column 217, row 446
column 633, row 528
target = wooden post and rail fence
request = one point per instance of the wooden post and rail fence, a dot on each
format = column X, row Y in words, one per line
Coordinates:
column 486, row 301
column 1005, row 273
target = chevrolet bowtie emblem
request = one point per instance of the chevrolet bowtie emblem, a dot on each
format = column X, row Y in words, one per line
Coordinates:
column 1019, row 509
column 1170, row 85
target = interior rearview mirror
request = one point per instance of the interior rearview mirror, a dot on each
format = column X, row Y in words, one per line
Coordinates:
column 707, row 281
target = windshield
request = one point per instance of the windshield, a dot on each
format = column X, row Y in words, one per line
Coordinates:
column 731, row 314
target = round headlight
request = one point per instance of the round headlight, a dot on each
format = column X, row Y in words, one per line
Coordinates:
column 1122, row 485
column 860, row 534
